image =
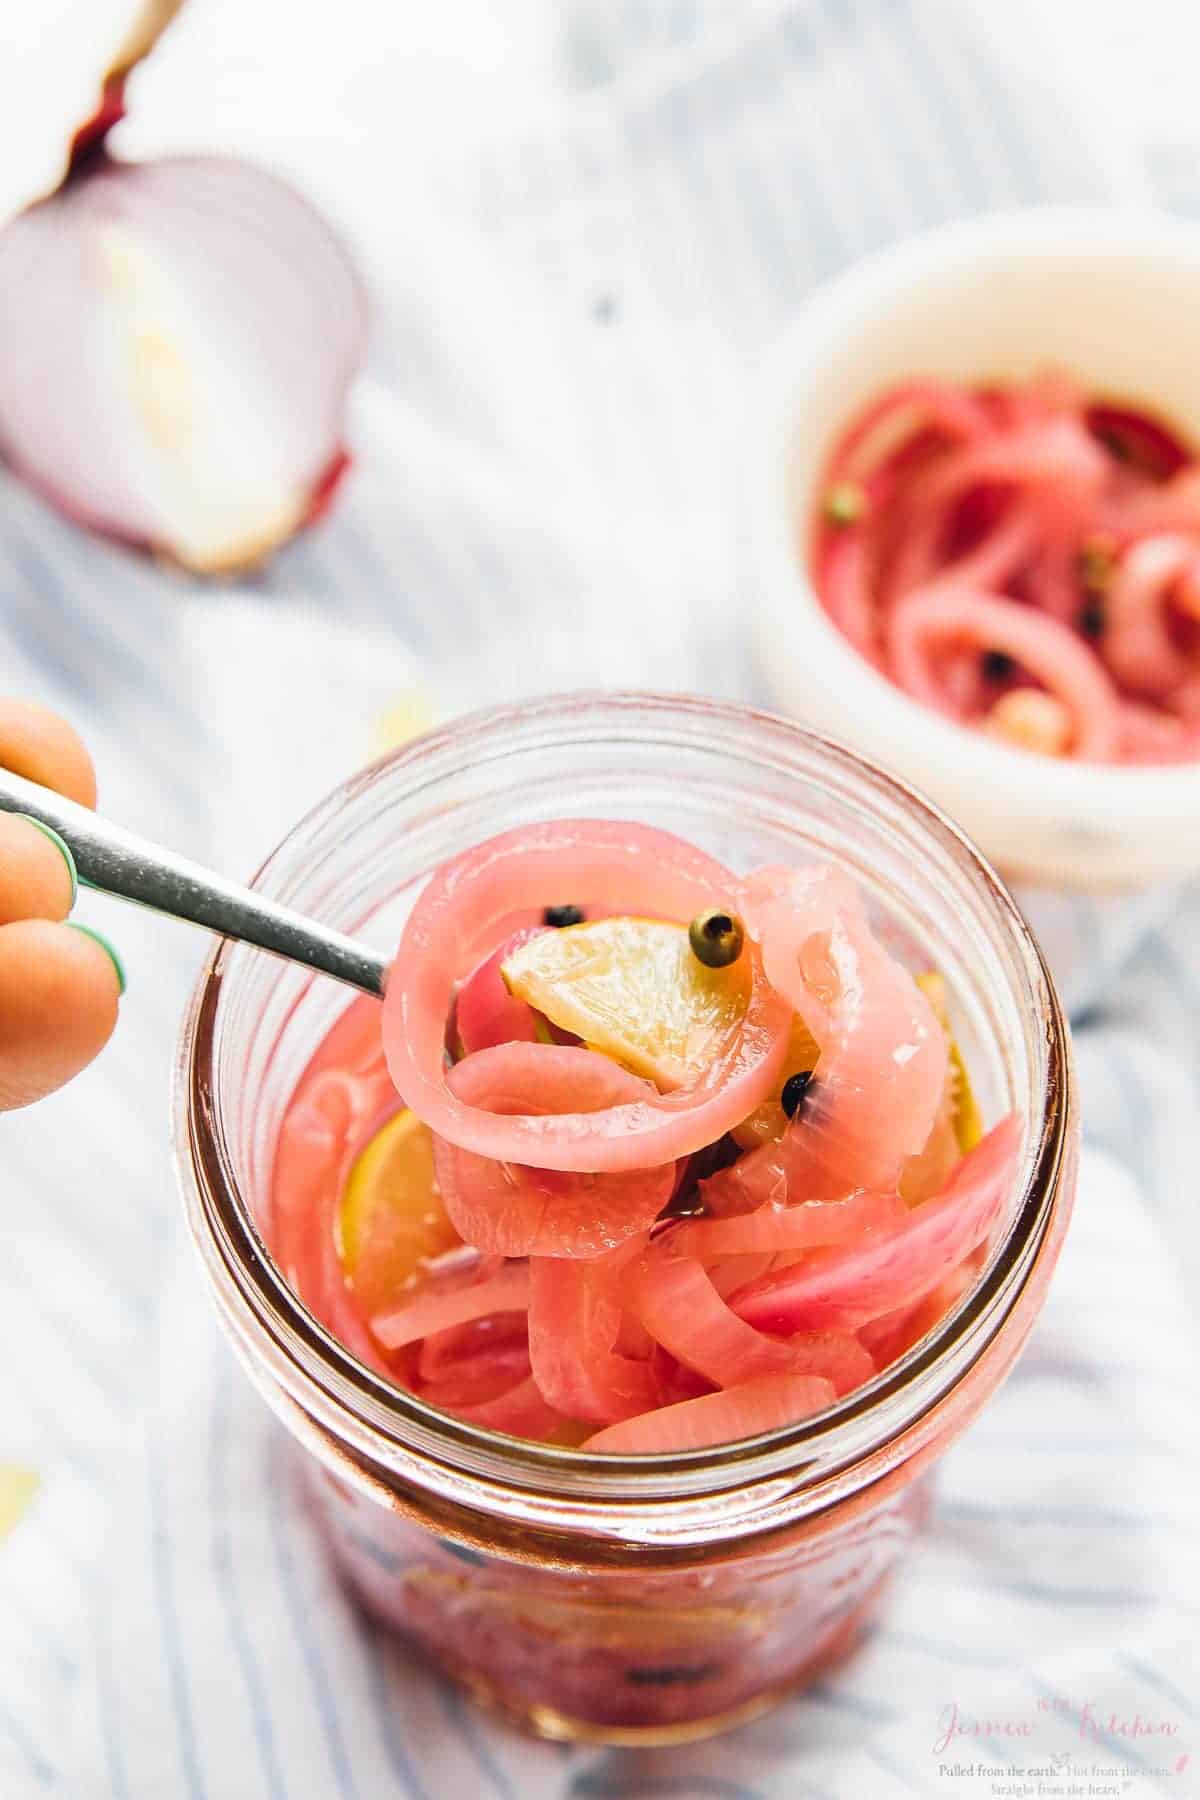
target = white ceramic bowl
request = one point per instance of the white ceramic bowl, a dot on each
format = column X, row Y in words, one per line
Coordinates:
column 1112, row 297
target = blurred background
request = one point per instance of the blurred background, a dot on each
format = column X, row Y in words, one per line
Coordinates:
column 578, row 226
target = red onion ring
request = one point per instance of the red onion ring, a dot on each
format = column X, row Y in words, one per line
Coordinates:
column 1076, row 515
column 605, row 863
column 1044, row 647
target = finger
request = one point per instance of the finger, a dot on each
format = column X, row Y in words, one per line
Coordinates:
column 36, row 743
column 37, row 872
column 59, row 990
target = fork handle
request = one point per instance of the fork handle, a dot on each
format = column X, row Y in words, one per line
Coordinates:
column 119, row 862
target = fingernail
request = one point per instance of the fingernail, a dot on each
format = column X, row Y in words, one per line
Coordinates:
column 99, row 937
column 61, row 845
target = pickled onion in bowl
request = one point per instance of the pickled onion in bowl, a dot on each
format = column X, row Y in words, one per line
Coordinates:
column 1022, row 560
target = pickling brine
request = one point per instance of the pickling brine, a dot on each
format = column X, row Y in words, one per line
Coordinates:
column 680, row 1171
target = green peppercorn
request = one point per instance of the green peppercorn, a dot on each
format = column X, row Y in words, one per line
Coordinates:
column 1096, row 562
column 845, row 503
column 716, row 937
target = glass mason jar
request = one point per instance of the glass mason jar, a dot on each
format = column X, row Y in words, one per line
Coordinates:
column 621, row 1599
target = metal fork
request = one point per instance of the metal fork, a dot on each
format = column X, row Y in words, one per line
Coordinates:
column 119, row 862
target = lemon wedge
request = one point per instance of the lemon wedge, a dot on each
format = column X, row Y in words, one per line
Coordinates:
column 391, row 1216
column 633, row 989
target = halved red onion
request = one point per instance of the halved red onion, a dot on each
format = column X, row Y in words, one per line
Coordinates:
column 176, row 344
column 177, row 339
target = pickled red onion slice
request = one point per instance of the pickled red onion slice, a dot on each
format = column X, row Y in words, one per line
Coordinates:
column 836, row 1356
column 601, row 862
column 518, row 1411
column 809, row 1225
column 844, row 588
column 442, row 1352
column 807, row 1264
column 844, row 1288
column 485, row 1013
column 426, row 1313
column 683, row 1311
column 893, row 1333
column 1031, row 497
column 1046, row 649
column 1134, row 436
column 1055, row 466
column 574, row 1321
column 948, row 409
column 1175, row 506
column 480, row 1377
column 881, row 1070
column 997, row 556
column 325, row 1124
column 758, row 1406
column 730, row 1272
column 1138, row 646
column 1151, row 736
column 514, row 1210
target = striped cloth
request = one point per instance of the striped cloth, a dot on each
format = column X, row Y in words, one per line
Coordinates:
column 545, row 439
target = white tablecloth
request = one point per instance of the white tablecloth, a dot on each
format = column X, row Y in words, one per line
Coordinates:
column 571, row 297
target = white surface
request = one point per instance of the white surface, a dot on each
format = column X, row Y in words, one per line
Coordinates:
column 572, row 289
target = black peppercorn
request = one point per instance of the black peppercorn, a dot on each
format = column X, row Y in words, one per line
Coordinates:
column 795, row 1088
column 558, row 916
column 998, row 665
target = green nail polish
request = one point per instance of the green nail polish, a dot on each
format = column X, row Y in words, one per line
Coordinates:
column 99, row 937
column 61, row 845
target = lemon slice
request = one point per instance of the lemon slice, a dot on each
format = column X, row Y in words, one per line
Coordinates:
column 633, row 989
column 391, row 1216
column 968, row 1121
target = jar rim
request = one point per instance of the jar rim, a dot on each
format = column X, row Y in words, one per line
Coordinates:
column 331, row 1386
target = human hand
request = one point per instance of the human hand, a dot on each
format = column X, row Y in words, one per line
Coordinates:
column 59, row 983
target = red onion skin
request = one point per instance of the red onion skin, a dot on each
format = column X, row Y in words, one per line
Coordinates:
column 148, row 26
column 92, row 133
